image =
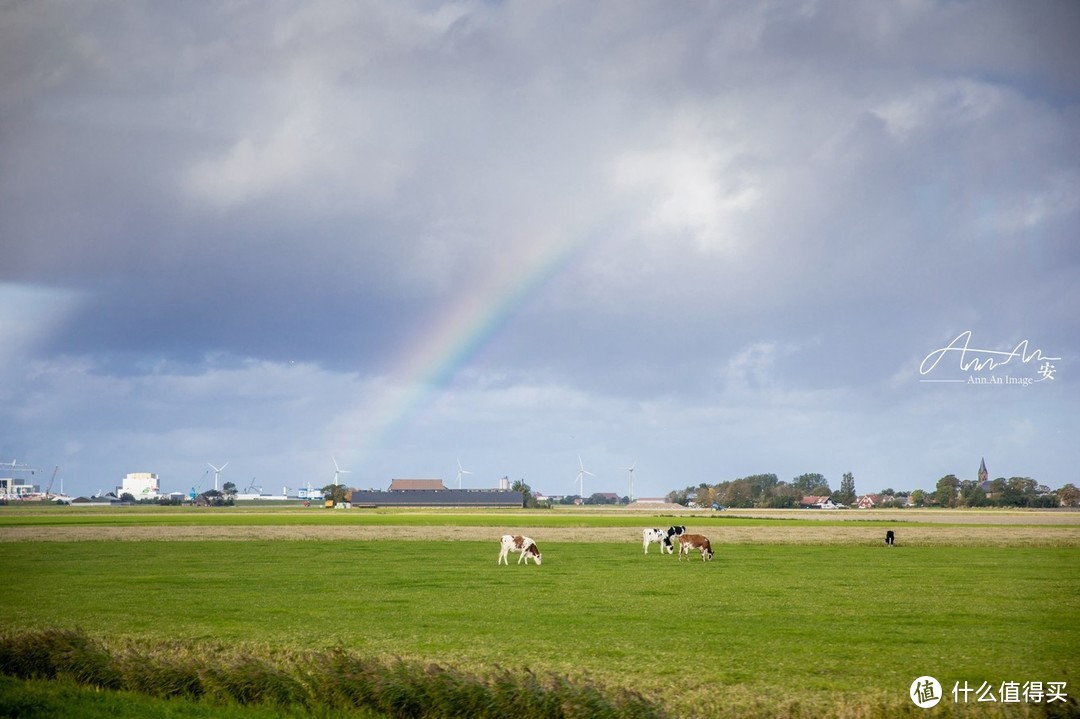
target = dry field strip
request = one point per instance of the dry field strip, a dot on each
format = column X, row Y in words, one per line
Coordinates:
column 913, row 528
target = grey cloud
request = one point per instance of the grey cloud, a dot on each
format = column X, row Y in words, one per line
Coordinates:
column 845, row 183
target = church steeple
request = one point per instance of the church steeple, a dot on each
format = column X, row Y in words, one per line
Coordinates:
column 984, row 476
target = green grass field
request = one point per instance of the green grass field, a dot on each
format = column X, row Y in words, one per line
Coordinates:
column 766, row 628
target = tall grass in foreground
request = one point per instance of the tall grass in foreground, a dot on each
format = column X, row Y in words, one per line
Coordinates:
column 334, row 683
column 326, row 680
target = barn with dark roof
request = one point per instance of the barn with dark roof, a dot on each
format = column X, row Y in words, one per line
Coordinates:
column 433, row 493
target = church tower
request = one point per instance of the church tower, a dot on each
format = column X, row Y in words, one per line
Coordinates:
column 984, row 476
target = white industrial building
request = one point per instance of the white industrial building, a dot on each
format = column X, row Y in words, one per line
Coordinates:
column 140, row 485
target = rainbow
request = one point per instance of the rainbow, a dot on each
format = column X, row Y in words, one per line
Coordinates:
column 429, row 364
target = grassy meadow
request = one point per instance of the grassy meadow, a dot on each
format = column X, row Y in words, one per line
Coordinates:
column 794, row 617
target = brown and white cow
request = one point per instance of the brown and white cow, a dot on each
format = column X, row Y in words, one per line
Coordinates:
column 517, row 543
column 688, row 542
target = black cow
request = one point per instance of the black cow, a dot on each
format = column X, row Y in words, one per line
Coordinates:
column 890, row 538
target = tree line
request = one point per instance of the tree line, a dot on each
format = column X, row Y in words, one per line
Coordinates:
column 767, row 491
column 1001, row 492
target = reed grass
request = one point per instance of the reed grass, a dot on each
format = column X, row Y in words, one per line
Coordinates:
column 327, row 680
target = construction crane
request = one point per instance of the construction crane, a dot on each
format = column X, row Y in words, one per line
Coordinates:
column 51, row 480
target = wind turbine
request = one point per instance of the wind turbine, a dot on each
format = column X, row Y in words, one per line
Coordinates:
column 581, row 477
column 460, row 472
column 217, row 471
column 338, row 470
column 630, row 469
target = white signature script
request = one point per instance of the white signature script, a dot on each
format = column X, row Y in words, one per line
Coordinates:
column 980, row 359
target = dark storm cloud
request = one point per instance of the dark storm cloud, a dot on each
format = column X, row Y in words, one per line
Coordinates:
column 774, row 210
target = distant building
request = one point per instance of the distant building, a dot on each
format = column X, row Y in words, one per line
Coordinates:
column 822, row 502
column 434, row 498
column 869, row 501
column 984, row 476
column 12, row 487
column 140, row 485
column 431, row 493
column 105, row 500
column 399, row 485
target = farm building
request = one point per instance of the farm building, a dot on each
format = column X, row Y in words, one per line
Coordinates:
column 502, row 498
column 411, row 485
column 869, row 501
column 823, row 502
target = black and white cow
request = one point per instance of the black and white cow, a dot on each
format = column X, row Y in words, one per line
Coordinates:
column 661, row 537
column 673, row 533
column 890, row 538
column 648, row 536
column 700, row 542
column 517, row 543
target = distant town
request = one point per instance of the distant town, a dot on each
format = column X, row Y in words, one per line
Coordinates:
column 761, row 491
column 812, row 491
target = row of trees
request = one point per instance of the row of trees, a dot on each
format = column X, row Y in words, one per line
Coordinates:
column 1001, row 492
column 768, row 491
column 765, row 491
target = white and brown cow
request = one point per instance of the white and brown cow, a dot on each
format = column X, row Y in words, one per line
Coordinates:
column 688, row 542
column 517, row 543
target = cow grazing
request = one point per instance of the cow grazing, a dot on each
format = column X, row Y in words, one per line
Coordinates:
column 517, row 543
column 661, row 537
column 688, row 542
column 890, row 538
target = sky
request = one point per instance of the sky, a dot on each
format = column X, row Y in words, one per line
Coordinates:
column 706, row 240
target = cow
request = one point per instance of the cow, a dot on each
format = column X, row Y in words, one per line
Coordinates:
column 648, row 536
column 890, row 538
column 700, row 542
column 661, row 537
column 517, row 543
column 676, row 531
